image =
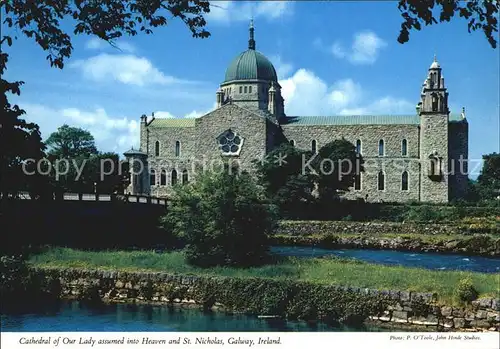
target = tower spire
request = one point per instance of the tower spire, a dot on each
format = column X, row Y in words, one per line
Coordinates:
column 251, row 41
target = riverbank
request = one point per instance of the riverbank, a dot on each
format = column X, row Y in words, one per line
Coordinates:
column 270, row 297
column 467, row 239
column 319, row 271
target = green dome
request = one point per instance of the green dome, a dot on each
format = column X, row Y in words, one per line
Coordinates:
column 251, row 65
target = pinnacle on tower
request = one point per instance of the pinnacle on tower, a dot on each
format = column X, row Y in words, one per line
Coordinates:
column 251, row 41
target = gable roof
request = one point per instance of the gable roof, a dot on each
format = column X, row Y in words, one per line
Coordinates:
column 172, row 122
column 191, row 122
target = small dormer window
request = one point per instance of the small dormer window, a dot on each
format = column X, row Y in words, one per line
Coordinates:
column 241, row 89
column 249, row 89
column 230, row 143
column 246, row 89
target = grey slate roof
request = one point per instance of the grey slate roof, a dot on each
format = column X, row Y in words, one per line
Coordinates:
column 359, row 120
column 174, row 122
column 316, row 120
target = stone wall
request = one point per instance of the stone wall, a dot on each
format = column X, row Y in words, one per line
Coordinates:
column 434, row 142
column 390, row 306
column 481, row 314
column 389, row 236
column 376, row 228
column 198, row 144
column 392, row 164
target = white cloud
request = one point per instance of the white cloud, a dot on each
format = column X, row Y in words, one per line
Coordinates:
column 282, row 69
column 231, row 11
column 364, row 49
column 111, row 133
column 95, row 43
column 307, row 94
column 191, row 115
column 163, row 115
column 125, row 68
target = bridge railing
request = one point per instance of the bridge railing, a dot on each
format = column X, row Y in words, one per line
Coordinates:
column 142, row 199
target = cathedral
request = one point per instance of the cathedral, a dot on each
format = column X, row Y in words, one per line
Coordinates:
column 420, row 157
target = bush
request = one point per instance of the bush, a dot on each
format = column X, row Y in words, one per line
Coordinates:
column 466, row 292
column 14, row 277
column 223, row 218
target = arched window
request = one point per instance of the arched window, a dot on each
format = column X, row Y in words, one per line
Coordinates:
column 357, row 182
column 404, row 147
column 246, row 90
column 177, row 148
column 381, row 181
column 314, row 146
column 152, row 177
column 292, row 142
column 174, row 177
column 163, row 177
column 241, row 89
column 185, row 177
column 358, row 146
column 404, row 181
column 381, row 150
column 435, row 102
column 249, row 89
column 157, row 148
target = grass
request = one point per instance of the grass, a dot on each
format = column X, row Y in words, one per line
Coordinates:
column 323, row 271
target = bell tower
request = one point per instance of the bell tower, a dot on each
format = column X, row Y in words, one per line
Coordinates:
column 434, row 120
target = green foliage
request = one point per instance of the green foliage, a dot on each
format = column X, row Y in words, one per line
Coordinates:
column 19, row 142
column 466, row 292
column 77, row 166
column 337, row 164
column 488, row 182
column 481, row 15
column 316, row 271
column 71, row 143
column 14, row 276
column 223, row 218
column 285, row 182
column 42, row 21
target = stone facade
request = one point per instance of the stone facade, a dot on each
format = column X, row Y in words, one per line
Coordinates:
column 407, row 158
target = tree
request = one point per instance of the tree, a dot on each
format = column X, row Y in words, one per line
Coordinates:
column 480, row 14
column 41, row 20
column 20, row 141
column 488, row 181
column 106, row 172
column 288, row 183
column 108, row 20
column 337, row 165
column 223, row 217
column 70, row 143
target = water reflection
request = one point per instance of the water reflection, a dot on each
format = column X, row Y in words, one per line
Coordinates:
column 75, row 316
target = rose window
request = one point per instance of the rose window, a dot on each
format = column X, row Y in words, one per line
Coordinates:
column 230, row 143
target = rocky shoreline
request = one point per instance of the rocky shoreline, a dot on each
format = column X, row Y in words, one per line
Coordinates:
column 391, row 236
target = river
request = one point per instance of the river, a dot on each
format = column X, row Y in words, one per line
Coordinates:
column 426, row 260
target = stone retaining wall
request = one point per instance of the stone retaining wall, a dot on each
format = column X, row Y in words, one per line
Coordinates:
column 398, row 307
column 407, row 237
column 376, row 228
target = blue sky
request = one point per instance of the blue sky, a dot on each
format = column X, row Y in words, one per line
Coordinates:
column 331, row 58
